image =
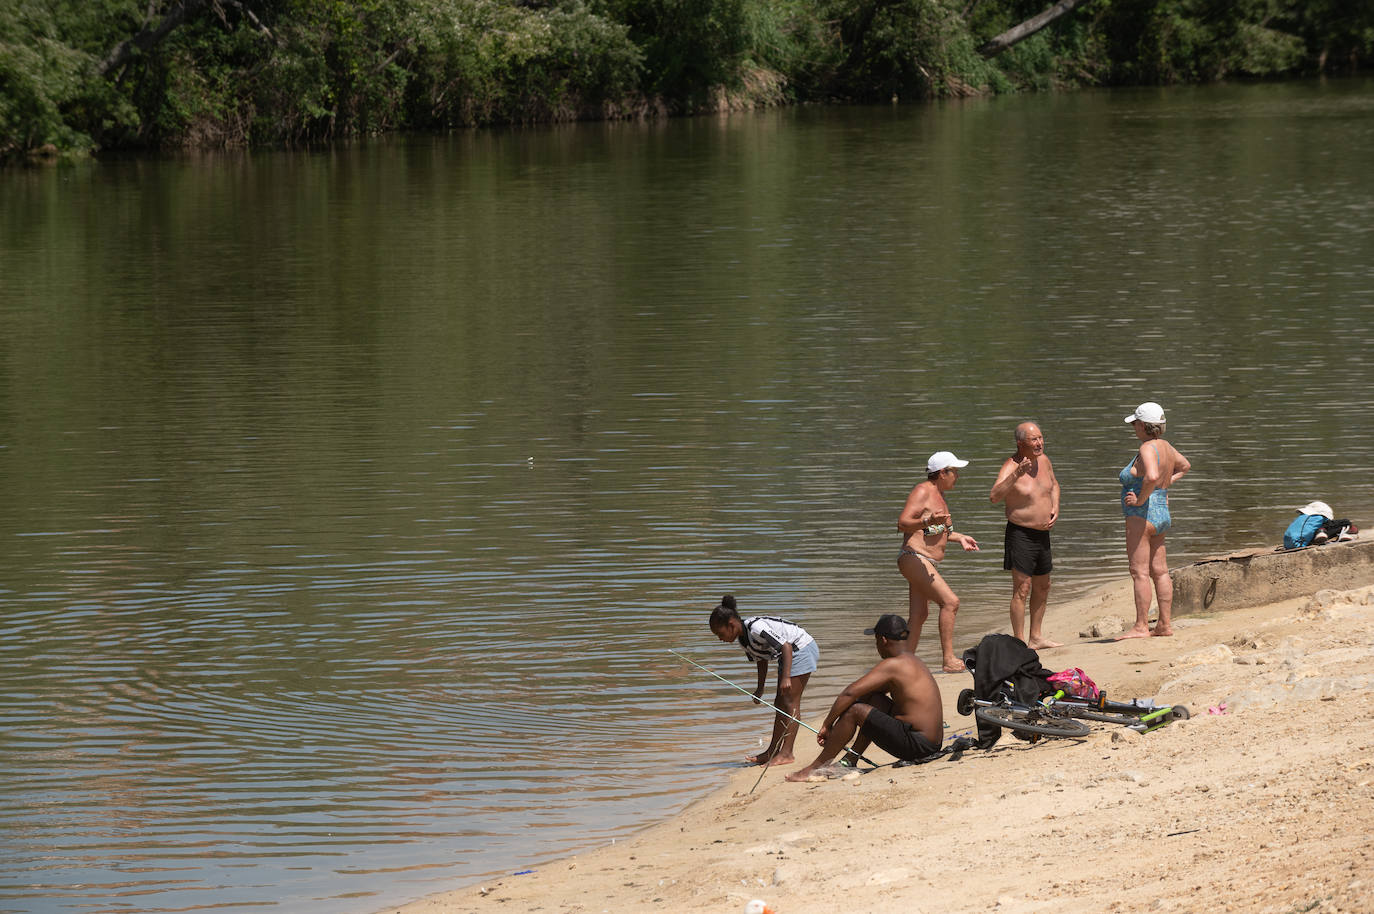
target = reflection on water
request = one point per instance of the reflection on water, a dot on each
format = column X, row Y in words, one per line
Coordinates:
column 354, row 499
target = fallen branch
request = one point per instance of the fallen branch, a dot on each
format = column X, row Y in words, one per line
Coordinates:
column 1028, row 28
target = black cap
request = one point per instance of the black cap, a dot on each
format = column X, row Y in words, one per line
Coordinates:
column 891, row 626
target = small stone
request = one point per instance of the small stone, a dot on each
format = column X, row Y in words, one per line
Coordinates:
column 1104, row 627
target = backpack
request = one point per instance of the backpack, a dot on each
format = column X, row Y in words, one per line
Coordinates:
column 1302, row 530
column 1075, row 682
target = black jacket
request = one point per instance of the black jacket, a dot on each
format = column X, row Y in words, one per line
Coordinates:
column 996, row 660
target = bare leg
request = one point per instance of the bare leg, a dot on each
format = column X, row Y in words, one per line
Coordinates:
column 784, row 738
column 918, row 610
column 918, row 607
column 1039, row 599
column 836, row 740
column 784, row 756
column 949, row 663
column 1164, row 587
column 882, row 702
column 924, row 587
column 784, row 734
column 1020, row 592
column 1138, row 554
column 777, row 740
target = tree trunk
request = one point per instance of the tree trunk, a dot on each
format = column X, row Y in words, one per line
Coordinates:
column 150, row 37
column 1028, row 28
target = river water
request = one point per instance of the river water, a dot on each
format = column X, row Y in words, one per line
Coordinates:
column 354, row 499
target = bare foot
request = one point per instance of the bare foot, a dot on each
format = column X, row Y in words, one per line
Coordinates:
column 1040, row 644
column 781, row 759
column 954, row 666
column 801, row 774
column 1136, row 631
column 760, row 759
column 1162, row 632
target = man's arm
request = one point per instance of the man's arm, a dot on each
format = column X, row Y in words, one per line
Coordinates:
column 875, row 680
column 1054, row 493
column 1012, row 470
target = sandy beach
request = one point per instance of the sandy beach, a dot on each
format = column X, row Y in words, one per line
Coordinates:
column 1263, row 801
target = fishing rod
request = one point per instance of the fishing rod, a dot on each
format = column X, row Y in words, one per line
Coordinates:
column 768, row 703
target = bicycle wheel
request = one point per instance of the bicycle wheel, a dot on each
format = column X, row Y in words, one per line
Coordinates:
column 1039, row 722
column 1089, row 713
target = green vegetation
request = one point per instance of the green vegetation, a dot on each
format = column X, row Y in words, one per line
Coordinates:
column 81, row 75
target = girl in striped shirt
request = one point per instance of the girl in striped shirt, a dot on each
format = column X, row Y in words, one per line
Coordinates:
column 764, row 639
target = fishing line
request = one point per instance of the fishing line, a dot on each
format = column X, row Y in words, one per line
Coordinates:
column 768, row 703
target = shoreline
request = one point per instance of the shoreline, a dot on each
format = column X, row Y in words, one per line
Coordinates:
column 1264, row 804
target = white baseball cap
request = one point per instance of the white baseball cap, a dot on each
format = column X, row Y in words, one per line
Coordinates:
column 1149, row 412
column 943, row 460
column 1318, row 507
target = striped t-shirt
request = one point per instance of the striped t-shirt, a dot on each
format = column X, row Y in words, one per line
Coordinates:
column 764, row 636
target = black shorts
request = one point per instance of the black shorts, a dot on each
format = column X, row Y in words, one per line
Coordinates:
column 1026, row 550
column 897, row 738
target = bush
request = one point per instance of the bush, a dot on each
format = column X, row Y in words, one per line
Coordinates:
column 41, row 77
column 482, row 62
column 911, row 49
column 688, row 45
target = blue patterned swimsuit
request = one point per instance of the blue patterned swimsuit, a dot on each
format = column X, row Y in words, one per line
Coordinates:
column 1156, row 507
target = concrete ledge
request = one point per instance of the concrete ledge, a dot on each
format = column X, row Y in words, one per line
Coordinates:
column 1261, row 576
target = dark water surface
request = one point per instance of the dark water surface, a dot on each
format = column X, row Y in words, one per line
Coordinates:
column 354, row 499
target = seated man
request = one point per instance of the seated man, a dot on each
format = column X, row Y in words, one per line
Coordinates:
column 895, row 705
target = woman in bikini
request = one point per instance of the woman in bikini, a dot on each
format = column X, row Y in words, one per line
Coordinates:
column 1145, row 485
column 926, row 528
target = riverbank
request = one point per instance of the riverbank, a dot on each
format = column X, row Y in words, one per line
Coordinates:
column 192, row 76
column 1260, row 802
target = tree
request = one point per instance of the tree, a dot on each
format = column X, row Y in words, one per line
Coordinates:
column 1028, row 28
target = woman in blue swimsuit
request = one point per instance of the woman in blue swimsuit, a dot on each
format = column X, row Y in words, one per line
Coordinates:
column 1145, row 485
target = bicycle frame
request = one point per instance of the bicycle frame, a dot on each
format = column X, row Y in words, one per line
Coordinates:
column 1142, row 716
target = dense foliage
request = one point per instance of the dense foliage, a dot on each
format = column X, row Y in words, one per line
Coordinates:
column 78, row 75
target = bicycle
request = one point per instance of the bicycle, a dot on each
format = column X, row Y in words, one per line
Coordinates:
column 1141, row 716
column 1062, row 715
column 1028, row 721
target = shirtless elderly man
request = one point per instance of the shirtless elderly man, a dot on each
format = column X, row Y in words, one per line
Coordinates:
column 895, row 705
column 1027, row 485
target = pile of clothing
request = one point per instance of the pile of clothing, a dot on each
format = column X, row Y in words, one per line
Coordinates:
column 1315, row 524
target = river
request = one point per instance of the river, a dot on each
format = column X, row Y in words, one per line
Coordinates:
column 355, row 498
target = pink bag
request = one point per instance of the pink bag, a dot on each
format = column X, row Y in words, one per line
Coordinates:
column 1075, row 682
